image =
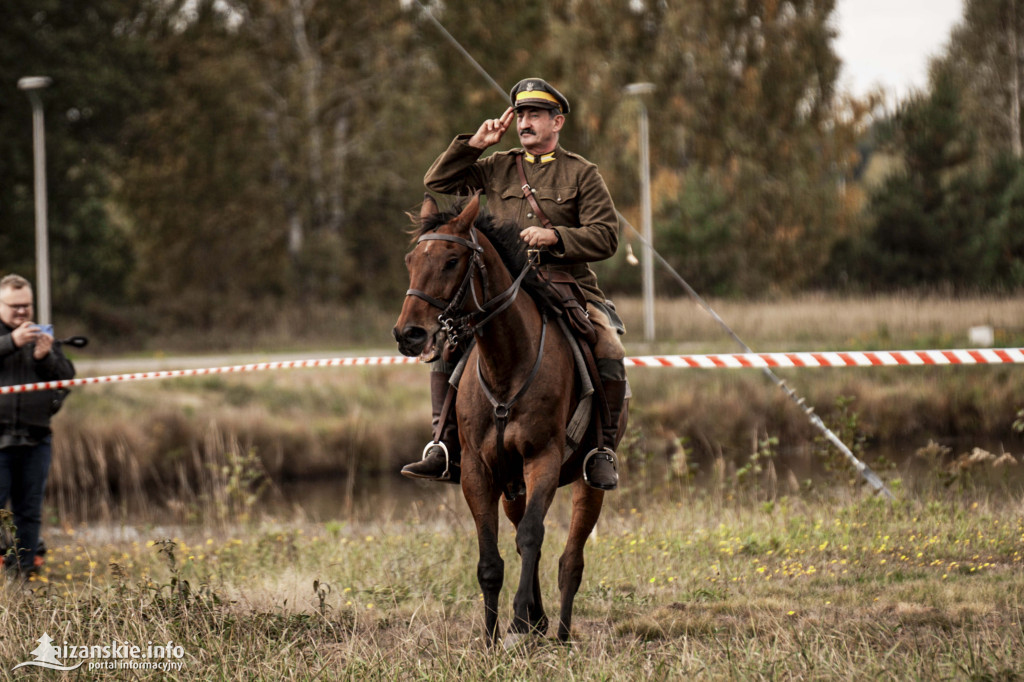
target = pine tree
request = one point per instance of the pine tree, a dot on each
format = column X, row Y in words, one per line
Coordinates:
column 46, row 652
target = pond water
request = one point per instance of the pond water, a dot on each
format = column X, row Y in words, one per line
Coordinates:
column 392, row 498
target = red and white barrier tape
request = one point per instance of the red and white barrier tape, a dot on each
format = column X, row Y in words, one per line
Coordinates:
column 173, row 373
column 981, row 356
column 892, row 358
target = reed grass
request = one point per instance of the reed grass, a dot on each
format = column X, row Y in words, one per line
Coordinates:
column 811, row 321
column 162, row 447
column 820, row 322
column 153, row 447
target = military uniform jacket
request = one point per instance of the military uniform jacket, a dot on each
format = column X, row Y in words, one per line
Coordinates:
column 568, row 188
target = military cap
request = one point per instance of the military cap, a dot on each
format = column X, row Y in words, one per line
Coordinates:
column 536, row 92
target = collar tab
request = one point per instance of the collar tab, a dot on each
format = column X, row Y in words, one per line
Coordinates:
column 544, row 158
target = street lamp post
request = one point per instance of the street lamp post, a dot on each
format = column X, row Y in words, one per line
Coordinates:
column 646, row 229
column 31, row 85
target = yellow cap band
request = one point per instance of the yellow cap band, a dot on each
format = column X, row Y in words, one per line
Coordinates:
column 537, row 94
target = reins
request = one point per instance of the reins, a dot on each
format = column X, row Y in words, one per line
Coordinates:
column 456, row 328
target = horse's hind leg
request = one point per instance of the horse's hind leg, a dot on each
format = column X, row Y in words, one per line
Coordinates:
column 586, row 508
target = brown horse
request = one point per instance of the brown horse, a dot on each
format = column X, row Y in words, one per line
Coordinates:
column 513, row 403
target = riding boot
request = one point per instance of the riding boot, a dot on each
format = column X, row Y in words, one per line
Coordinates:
column 440, row 461
column 599, row 468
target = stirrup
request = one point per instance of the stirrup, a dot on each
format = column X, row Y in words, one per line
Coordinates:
column 446, row 475
column 607, row 455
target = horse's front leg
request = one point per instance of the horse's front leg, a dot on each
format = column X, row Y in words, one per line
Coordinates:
column 586, row 508
column 490, row 573
column 490, row 569
column 515, row 510
column 541, row 484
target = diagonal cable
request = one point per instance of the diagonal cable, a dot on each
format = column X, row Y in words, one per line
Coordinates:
column 866, row 473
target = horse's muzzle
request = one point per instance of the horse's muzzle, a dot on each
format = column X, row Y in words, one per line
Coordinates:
column 411, row 339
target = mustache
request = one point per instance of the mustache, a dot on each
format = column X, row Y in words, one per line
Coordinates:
column 529, row 131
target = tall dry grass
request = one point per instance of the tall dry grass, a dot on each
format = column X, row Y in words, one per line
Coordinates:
column 815, row 321
column 135, row 447
column 829, row 322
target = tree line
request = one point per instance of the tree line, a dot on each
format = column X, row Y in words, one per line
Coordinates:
column 208, row 158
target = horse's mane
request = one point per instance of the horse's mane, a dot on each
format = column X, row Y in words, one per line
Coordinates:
column 504, row 236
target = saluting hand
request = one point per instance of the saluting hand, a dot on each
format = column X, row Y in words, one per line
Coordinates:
column 492, row 130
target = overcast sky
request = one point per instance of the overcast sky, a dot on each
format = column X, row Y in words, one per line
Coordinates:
column 889, row 42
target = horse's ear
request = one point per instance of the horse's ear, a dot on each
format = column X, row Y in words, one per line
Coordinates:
column 429, row 207
column 469, row 214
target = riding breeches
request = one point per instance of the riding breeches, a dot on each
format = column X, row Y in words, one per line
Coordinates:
column 608, row 351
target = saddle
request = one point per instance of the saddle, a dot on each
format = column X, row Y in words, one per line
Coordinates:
column 571, row 302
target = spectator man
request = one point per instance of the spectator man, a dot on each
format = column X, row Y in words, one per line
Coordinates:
column 28, row 354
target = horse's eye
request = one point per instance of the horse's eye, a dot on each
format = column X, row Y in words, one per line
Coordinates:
column 452, row 262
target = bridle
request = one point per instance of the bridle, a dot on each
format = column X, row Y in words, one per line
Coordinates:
column 458, row 327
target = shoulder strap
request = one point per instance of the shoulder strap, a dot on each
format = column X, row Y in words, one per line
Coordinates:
column 529, row 192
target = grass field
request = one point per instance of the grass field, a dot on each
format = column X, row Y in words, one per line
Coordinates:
column 710, row 582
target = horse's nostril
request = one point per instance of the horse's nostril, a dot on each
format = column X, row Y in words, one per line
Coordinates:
column 413, row 334
column 411, row 339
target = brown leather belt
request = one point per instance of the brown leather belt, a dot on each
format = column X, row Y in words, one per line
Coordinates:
column 528, row 192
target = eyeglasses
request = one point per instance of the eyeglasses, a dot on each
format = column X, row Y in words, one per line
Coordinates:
column 23, row 307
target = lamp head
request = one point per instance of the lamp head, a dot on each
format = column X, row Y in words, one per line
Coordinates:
column 34, row 82
column 639, row 88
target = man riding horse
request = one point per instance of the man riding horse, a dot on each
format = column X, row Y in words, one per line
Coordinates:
column 562, row 204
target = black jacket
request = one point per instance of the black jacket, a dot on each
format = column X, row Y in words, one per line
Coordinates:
column 28, row 411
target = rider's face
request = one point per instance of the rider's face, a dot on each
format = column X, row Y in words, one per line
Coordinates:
column 538, row 129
